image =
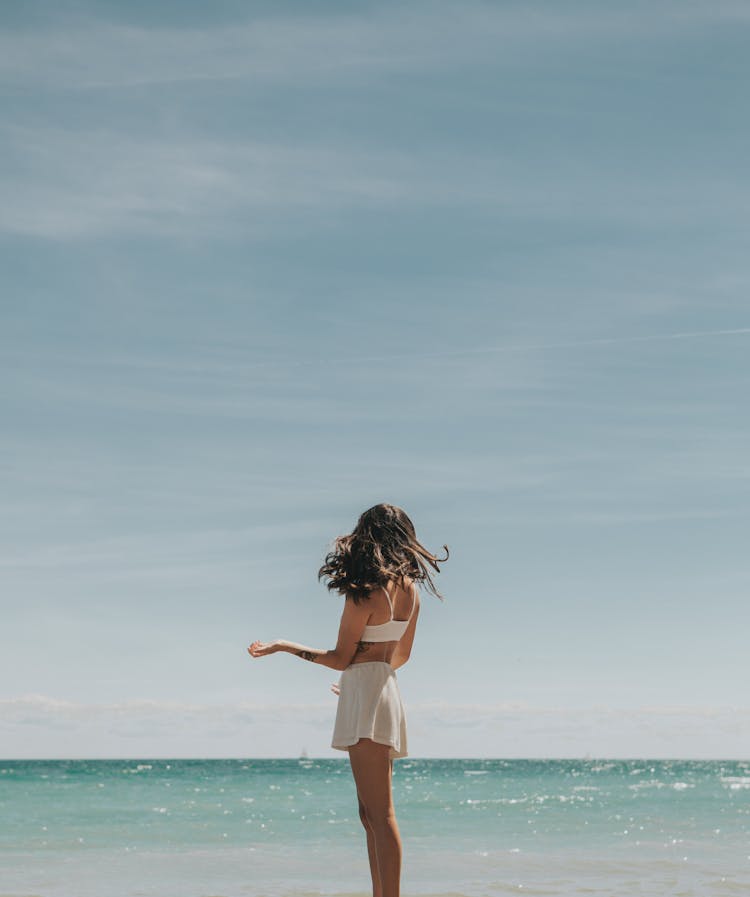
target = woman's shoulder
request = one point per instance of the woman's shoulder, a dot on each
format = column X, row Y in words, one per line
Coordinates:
column 410, row 585
column 391, row 587
column 408, row 592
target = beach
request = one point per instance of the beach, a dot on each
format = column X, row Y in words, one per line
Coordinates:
column 289, row 828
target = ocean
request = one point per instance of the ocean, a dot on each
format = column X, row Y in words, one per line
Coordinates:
column 290, row 828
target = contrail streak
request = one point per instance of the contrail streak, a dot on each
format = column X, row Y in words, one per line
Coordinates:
column 530, row 347
column 617, row 339
column 211, row 367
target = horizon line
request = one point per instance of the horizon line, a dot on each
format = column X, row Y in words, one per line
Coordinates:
column 585, row 758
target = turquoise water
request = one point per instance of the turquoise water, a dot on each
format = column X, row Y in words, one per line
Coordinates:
column 220, row 828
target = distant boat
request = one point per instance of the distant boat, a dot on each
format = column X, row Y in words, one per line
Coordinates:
column 304, row 754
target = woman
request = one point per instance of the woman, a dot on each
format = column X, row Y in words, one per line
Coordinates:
column 376, row 568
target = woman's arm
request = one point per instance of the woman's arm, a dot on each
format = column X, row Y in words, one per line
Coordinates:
column 353, row 621
column 403, row 648
column 315, row 655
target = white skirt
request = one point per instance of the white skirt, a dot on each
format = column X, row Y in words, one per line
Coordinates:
column 370, row 706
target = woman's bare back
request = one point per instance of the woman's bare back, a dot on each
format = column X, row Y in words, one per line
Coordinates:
column 405, row 602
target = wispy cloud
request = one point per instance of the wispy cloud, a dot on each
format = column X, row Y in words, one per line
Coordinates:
column 78, row 183
column 71, row 184
column 486, row 260
column 220, row 367
column 390, row 38
column 41, row 726
column 124, row 175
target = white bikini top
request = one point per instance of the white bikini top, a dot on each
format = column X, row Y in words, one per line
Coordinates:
column 393, row 629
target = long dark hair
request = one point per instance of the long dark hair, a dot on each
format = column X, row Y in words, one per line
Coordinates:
column 382, row 547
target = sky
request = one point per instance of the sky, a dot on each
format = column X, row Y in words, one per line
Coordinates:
column 266, row 265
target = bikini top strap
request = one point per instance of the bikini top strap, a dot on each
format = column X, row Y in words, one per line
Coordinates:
column 390, row 603
column 413, row 599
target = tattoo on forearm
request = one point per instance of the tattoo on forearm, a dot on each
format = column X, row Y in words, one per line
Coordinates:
column 307, row 655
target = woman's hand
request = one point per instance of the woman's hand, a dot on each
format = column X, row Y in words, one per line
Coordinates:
column 335, row 689
column 261, row 649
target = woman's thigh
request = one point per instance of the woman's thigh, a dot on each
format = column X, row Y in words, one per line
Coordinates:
column 372, row 770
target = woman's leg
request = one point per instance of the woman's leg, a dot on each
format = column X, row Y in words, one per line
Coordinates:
column 372, row 856
column 372, row 769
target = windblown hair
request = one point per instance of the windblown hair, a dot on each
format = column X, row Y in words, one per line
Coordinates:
column 382, row 547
